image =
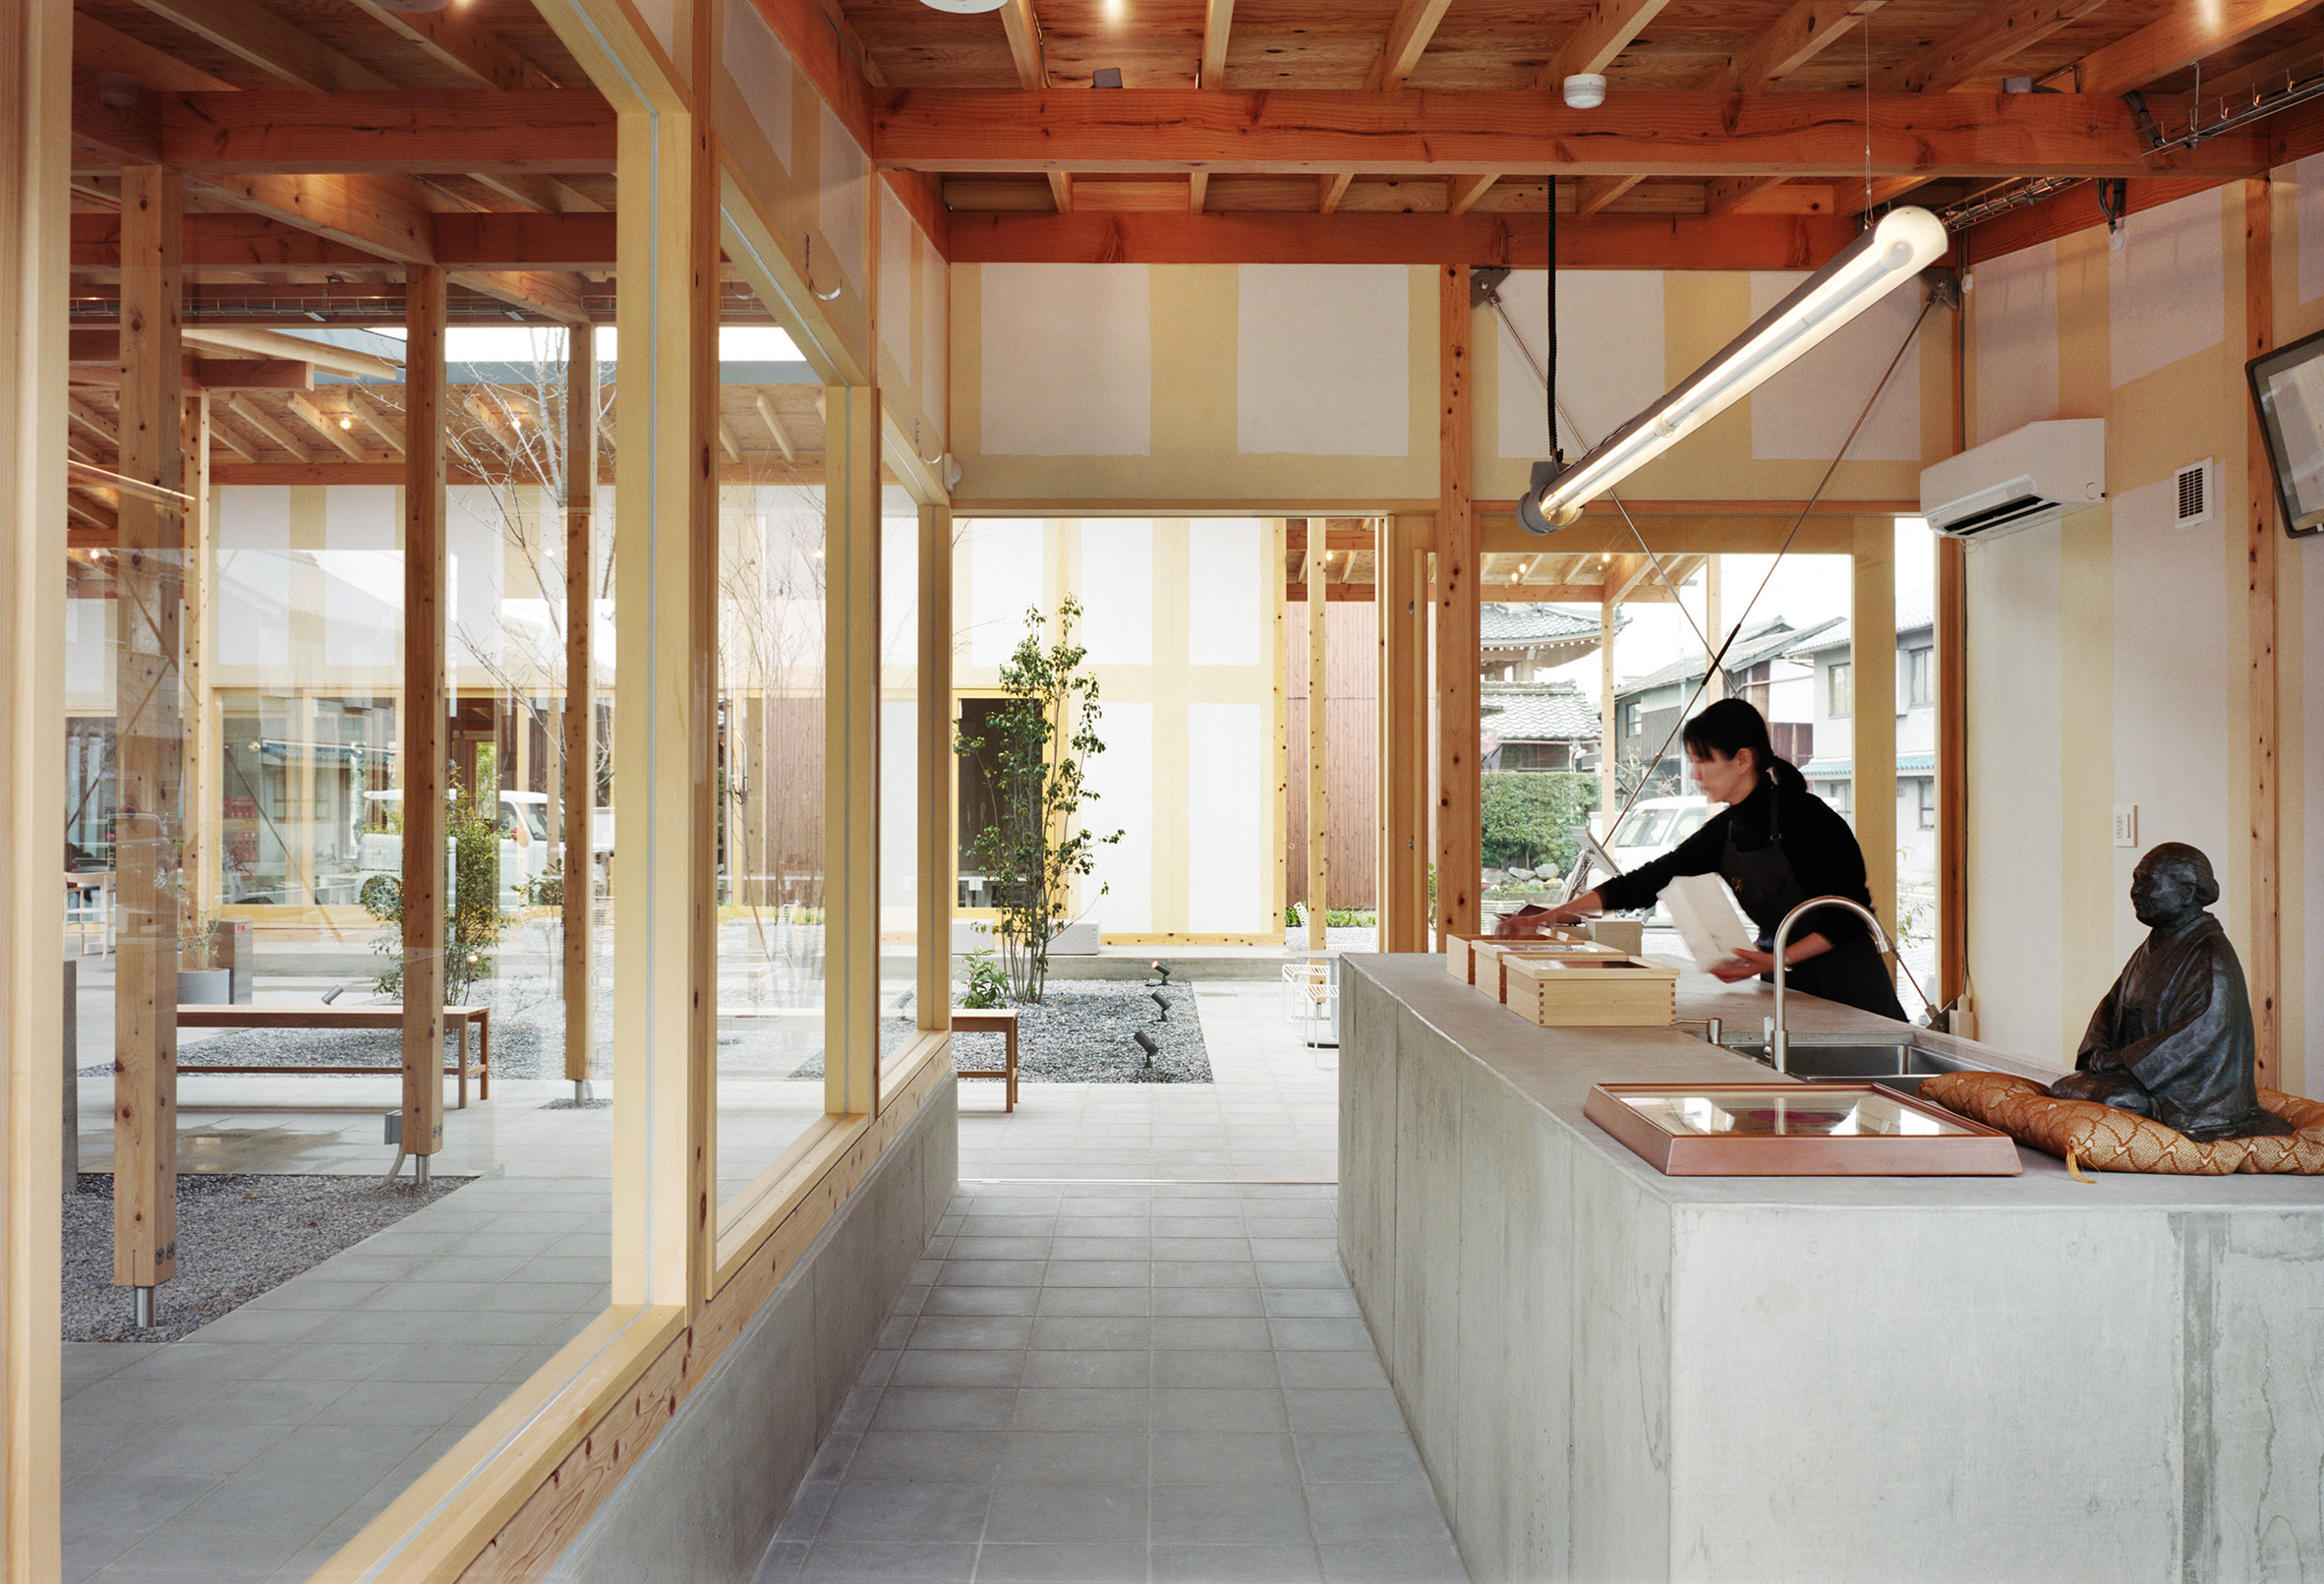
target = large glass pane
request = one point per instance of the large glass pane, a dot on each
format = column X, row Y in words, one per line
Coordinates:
column 900, row 1013
column 771, row 689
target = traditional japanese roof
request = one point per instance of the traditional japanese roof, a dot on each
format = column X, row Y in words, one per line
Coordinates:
column 1761, row 640
column 1540, row 711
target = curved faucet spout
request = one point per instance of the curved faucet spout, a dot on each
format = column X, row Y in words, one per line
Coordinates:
column 1779, row 1038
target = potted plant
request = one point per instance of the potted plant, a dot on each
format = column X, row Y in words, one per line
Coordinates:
column 199, row 983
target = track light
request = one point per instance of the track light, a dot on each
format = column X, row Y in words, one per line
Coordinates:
column 1905, row 242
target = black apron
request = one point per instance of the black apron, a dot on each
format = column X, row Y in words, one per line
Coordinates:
column 1852, row 973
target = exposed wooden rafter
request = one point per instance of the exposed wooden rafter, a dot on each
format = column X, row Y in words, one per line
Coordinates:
column 1409, row 34
column 1218, row 22
column 1606, row 30
column 2190, row 31
column 1464, row 190
column 1802, row 33
column 1980, row 45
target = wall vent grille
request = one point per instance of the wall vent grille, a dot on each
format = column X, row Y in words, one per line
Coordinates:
column 2195, row 504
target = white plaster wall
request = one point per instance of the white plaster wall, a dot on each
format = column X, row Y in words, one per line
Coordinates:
column 761, row 69
column 1123, row 778
column 2013, row 308
column 1068, row 354
column 253, row 538
column 895, row 316
column 1805, row 413
column 1224, row 611
column 2173, row 678
column 1323, row 359
column 839, row 204
column 2016, row 790
column 2167, row 287
column 362, row 585
column 1004, row 580
column 1117, row 591
column 1609, row 356
column 1230, row 875
column 89, row 655
column 2308, row 556
column 936, row 329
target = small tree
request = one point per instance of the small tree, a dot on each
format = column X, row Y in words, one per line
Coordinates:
column 473, row 919
column 1032, row 754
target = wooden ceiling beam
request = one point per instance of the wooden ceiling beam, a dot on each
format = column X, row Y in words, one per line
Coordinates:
column 1849, row 197
column 258, row 241
column 1198, row 190
column 99, row 48
column 260, row 38
column 1803, row 31
column 1330, row 189
column 453, row 38
column 1727, row 194
column 1409, row 34
column 1601, row 242
column 222, row 435
column 1025, row 43
column 1606, row 29
column 1461, row 195
column 249, row 415
column 2191, row 30
column 1980, row 46
column 775, row 428
column 385, row 216
column 1218, row 23
column 1060, row 190
column 559, row 296
column 306, row 412
column 367, row 412
column 1591, row 194
column 1679, row 132
column 292, row 132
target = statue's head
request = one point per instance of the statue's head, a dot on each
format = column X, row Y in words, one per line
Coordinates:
column 2172, row 884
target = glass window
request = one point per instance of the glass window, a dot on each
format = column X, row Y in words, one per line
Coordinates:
column 1926, row 791
column 899, row 771
column 1920, row 677
column 1840, row 690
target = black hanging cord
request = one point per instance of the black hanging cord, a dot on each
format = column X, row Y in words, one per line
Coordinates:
column 1549, row 386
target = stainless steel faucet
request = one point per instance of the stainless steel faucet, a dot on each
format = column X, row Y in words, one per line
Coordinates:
column 1778, row 1037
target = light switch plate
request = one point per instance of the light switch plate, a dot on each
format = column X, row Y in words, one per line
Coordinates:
column 2126, row 824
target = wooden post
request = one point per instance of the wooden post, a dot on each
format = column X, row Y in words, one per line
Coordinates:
column 2259, row 545
column 1459, row 851
column 36, row 122
column 1318, row 825
column 1399, row 580
column 300, row 740
column 851, row 603
column 1279, row 652
column 1875, row 730
column 425, row 700
column 149, row 745
column 199, row 778
column 1714, row 633
column 578, row 745
column 1953, row 772
column 1609, row 785
column 666, row 565
column 938, row 877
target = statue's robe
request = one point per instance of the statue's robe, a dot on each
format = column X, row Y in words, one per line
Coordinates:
column 2172, row 1038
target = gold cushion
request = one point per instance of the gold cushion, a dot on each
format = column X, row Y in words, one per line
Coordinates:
column 2113, row 1140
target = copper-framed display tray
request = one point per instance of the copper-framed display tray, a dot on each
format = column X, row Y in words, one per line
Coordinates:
column 1797, row 1129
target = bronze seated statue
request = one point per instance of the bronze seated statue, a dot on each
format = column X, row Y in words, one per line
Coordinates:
column 2172, row 1038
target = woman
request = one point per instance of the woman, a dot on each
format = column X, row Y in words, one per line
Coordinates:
column 1777, row 844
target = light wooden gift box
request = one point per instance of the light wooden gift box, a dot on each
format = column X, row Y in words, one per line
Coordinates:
column 1577, row 992
column 1492, row 956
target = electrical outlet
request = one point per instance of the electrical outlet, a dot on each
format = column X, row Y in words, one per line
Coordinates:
column 2126, row 824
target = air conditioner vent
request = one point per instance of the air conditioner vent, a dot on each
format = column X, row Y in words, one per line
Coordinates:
column 2196, row 505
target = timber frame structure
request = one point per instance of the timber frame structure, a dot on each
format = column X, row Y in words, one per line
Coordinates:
column 183, row 179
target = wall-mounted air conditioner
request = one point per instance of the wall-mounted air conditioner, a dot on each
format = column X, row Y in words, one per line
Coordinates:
column 2035, row 474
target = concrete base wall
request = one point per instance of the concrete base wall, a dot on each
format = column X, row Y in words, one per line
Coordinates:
column 708, row 1495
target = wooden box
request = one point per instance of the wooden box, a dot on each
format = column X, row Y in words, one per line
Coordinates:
column 1591, row 993
column 1492, row 956
column 1460, row 959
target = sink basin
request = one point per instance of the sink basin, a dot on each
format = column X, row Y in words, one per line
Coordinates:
column 1899, row 1064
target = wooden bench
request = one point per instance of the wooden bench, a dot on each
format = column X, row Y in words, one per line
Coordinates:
column 997, row 1020
column 343, row 1019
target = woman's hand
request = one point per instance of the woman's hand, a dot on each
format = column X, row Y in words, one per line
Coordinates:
column 1741, row 964
column 1529, row 922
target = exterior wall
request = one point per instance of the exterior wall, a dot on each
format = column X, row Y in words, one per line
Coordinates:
column 1181, row 629
column 2108, row 653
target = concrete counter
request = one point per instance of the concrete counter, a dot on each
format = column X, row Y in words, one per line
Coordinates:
column 1615, row 1375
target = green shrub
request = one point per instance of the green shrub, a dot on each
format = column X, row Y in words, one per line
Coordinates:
column 1530, row 816
column 988, row 986
column 473, row 921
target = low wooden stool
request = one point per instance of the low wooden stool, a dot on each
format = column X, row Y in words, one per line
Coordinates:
column 995, row 1020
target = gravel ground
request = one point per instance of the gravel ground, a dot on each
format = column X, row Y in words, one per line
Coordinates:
column 1080, row 1033
column 237, row 1236
column 518, row 1046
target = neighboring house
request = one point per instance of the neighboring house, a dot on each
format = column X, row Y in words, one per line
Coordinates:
column 1758, row 667
column 1831, row 771
column 1517, row 643
column 1538, row 726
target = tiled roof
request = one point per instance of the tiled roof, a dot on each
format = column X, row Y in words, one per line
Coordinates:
column 1761, row 640
column 1909, row 618
column 1500, row 626
column 1907, row 764
column 1538, row 712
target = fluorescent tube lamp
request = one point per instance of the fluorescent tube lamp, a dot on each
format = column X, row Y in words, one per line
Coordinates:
column 1905, row 242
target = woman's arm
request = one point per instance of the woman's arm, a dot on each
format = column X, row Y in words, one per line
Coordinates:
column 1531, row 921
column 1749, row 963
column 1699, row 853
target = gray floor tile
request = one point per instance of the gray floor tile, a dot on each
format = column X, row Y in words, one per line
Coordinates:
column 1353, row 1514
column 1084, row 1332
column 1092, row 1368
column 1082, row 1408
column 1099, row 1274
column 957, row 1367
column 906, row 1511
column 1219, row 1514
column 1326, row 1408
column 889, row 1563
column 1209, row 1303
column 970, row 1331
column 1081, row 1514
column 1196, row 1367
column 1219, row 1409
column 962, row 1456
column 1334, row 1457
column 1111, row 1301
column 944, row 1408
column 1239, row 1458
column 1001, row 1563
column 981, row 1301
column 1080, row 1457
column 1393, row 1562
column 1288, row 1303
column 1349, row 1368
column 1236, row 1564
column 1319, row 1335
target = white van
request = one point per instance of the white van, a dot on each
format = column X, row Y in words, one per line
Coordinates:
column 1656, row 824
column 524, row 841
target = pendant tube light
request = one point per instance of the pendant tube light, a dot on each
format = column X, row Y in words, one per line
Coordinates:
column 1905, row 242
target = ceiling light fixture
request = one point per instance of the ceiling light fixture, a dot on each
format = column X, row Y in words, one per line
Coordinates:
column 1905, row 242
column 1584, row 91
column 964, row 8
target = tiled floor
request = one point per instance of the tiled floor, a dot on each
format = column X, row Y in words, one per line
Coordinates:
column 1131, row 1379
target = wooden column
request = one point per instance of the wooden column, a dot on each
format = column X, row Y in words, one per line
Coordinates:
column 199, row 778
column 1875, row 732
column 1714, row 633
column 665, row 567
column 424, row 733
column 1400, row 579
column 578, row 742
column 939, row 872
column 1278, row 539
column 851, row 766
column 1953, row 772
column 148, row 742
column 2265, row 959
column 1318, row 823
column 1609, row 785
column 1459, row 859
column 36, row 122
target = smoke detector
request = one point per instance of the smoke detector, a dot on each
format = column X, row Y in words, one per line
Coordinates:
column 1584, row 91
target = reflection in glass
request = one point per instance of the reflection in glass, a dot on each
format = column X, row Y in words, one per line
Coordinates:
column 899, row 769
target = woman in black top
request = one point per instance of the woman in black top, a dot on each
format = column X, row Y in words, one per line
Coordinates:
column 1777, row 844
